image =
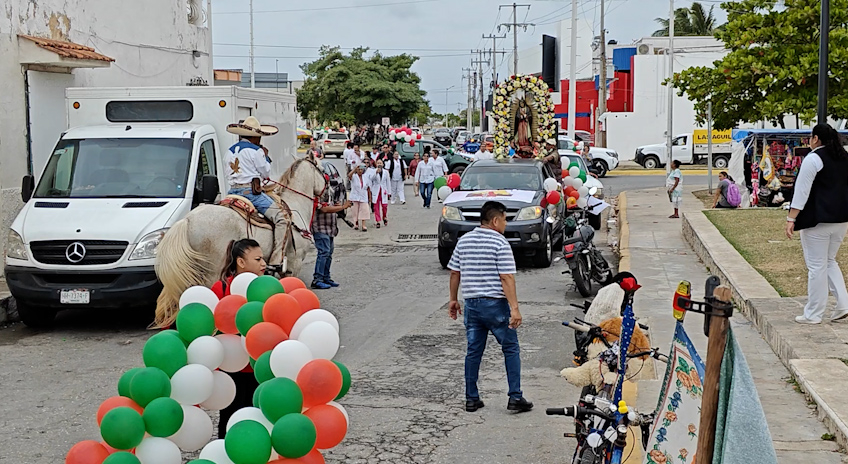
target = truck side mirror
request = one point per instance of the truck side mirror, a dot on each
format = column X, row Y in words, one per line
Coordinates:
column 27, row 187
column 210, row 189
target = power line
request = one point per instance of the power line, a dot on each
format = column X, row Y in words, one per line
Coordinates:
column 343, row 48
column 300, row 10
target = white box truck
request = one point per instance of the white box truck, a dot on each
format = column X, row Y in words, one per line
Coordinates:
column 689, row 149
column 133, row 162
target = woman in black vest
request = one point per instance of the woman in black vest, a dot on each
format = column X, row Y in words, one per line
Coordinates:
column 820, row 212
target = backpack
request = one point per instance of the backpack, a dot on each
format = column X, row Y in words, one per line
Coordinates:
column 733, row 196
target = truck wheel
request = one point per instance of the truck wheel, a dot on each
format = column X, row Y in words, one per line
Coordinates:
column 339, row 155
column 720, row 162
column 458, row 169
column 34, row 317
column 651, row 162
column 445, row 255
column 545, row 256
column 602, row 168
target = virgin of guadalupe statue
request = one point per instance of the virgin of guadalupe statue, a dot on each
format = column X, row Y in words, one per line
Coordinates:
column 522, row 125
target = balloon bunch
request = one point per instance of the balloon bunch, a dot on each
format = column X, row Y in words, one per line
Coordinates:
column 404, row 134
column 273, row 325
column 446, row 185
column 577, row 194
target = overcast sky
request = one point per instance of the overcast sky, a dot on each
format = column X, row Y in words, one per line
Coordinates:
column 442, row 32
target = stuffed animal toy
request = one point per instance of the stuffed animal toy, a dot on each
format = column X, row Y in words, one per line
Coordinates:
column 596, row 371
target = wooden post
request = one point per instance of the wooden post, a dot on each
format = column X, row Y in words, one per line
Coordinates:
column 712, row 374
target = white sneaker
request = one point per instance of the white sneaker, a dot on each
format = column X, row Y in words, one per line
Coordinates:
column 839, row 315
column 804, row 320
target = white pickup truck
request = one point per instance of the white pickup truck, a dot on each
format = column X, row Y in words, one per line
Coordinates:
column 134, row 162
column 688, row 149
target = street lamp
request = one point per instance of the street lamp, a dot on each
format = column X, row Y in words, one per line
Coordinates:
column 446, row 104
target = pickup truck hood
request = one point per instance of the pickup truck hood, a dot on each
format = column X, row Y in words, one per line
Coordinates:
column 125, row 219
column 468, row 199
column 653, row 146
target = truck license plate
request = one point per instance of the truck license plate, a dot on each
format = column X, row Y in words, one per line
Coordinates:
column 74, row 297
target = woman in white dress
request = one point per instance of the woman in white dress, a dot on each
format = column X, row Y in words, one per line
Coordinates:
column 380, row 188
column 359, row 185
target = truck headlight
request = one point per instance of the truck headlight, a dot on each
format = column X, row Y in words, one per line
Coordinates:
column 529, row 213
column 615, row 154
column 15, row 247
column 146, row 247
column 452, row 213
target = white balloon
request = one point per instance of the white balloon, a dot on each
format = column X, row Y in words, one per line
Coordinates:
column 195, row 431
column 235, row 356
column 312, row 316
column 249, row 413
column 321, row 338
column 199, row 294
column 223, row 392
column 583, row 191
column 444, row 192
column 206, row 350
column 192, row 384
column 567, row 181
column 153, row 450
column 289, row 357
column 574, row 171
column 240, row 283
column 216, row 452
column 342, row 409
column 550, row 184
column 577, row 182
column 582, row 202
column 408, row 137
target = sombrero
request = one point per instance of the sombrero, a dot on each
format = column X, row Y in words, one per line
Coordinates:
column 250, row 127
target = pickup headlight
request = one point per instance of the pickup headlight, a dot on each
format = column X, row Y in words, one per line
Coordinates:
column 529, row 213
column 452, row 213
column 15, row 247
column 614, row 154
column 146, row 247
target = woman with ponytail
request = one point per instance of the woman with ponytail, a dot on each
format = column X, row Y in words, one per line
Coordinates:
column 819, row 210
column 243, row 255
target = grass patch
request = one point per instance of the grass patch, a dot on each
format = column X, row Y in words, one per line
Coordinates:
column 828, row 437
column 757, row 234
column 705, row 196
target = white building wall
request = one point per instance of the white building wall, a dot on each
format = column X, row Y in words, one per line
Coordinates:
column 152, row 41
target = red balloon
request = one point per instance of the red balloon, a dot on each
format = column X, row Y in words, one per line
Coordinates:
column 282, row 309
column 568, row 190
column 418, row 136
column 291, row 283
column 553, row 197
column 263, row 337
column 307, row 299
column 88, row 452
column 314, row 457
column 225, row 313
column 412, row 143
column 408, row 131
column 575, row 194
column 113, row 450
column 330, row 425
column 116, row 402
column 320, row 380
column 453, row 181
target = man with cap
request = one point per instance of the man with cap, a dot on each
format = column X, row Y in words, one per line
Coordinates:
column 553, row 159
column 246, row 165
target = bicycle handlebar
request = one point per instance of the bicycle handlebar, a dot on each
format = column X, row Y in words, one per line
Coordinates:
column 654, row 353
column 576, row 326
column 578, row 412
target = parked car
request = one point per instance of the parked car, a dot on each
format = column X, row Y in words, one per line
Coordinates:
column 332, row 143
column 443, row 136
column 462, row 137
column 571, row 157
column 519, row 185
column 456, row 162
column 456, row 130
column 604, row 159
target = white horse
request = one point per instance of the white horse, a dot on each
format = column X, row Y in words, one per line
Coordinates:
column 192, row 252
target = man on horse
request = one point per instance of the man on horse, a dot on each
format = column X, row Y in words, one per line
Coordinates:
column 246, row 165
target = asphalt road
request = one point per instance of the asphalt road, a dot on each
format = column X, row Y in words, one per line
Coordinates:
column 406, row 357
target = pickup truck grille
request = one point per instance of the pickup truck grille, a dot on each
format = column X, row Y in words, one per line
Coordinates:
column 96, row 251
column 473, row 214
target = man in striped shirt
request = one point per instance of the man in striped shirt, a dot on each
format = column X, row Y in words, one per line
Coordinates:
column 483, row 263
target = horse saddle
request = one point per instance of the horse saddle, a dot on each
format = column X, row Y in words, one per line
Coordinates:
column 248, row 212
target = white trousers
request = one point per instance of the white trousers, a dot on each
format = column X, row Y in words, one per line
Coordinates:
column 820, row 245
column 397, row 191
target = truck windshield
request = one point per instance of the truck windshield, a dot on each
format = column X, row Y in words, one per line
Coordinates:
column 117, row 168
column 506, row 177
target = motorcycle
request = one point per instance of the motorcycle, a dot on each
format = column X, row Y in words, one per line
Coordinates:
column 584, row 259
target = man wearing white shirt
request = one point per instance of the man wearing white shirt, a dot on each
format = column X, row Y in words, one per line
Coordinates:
column 440, row 168
column 486, row 152
column 397, row 170
column 424, row 178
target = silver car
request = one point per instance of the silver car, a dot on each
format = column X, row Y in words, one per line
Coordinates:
column 462, row 137
column 332, row 143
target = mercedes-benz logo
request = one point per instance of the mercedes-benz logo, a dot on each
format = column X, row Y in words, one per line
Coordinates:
column 75, row 252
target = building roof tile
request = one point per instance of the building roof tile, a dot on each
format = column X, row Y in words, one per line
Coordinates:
column 67, row 49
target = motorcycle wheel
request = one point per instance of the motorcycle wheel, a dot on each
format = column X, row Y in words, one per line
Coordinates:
column 588, row 456
column 582, row 276
column 603, row 272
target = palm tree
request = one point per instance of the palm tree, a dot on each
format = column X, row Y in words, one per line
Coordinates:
column 692, row 21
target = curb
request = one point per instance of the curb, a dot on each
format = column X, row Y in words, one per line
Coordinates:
column 623, row 234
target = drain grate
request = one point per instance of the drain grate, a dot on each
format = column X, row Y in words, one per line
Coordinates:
column 417, row 236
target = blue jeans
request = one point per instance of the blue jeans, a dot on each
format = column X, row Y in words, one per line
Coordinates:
column 324, row 245
column 262, row 202
column 484, row 315
column 426, row 190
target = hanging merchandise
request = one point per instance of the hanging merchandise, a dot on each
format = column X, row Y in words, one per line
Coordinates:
column 767, row 165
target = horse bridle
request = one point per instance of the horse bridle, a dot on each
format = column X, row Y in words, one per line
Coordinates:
column 314, row 199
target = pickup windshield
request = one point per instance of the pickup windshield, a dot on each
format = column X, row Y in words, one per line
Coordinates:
column 117, row 168
column 506, row 177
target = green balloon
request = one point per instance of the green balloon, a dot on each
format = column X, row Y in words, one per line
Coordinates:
column 248, row 316
column 262, row 368
column 173, row 332
column 165, row 351
column 439, row 183
column 582, row 176
column 256, row 394
column 124, row 382
column 345, row 379
column 263, row 287
column 280, row 396
column 248, row 442
column 122, row 428
column 122, row 457
column 198, row 461
column 162, row 417
column 195, row 320
column 251, row 362
column 148, row 384
column 293, row 436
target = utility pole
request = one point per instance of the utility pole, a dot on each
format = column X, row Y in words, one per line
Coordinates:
column 446, row 104
column 601, row 140
column 824, row 46
column 514, row 25
column 572, row 75
column 494, row 53
column 252, row 67
column 670, row 127
column 468, row 108
column 479, row 80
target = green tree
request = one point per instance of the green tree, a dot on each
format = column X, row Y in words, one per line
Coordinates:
column 692, row 21
column 771, row 69
column 354, row 89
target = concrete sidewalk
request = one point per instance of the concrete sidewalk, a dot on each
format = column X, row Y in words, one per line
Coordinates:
column 654, row 249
